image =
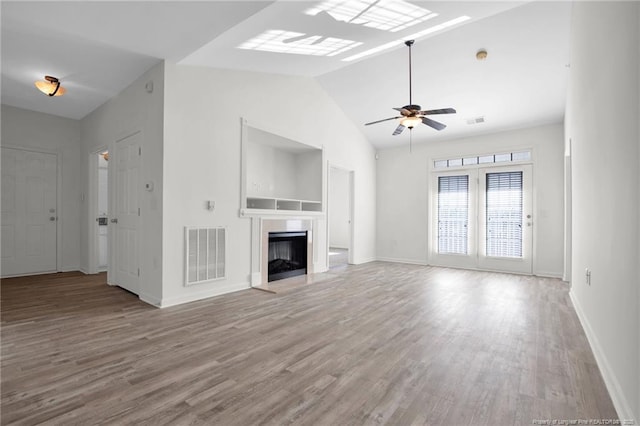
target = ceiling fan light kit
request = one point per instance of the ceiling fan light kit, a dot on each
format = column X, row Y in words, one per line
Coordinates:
column 50, row 86
column 412, row 114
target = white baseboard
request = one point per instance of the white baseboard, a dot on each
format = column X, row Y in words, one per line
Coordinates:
column 620, row 403
column 365, row 260
column 407, row 261
column 205, row 294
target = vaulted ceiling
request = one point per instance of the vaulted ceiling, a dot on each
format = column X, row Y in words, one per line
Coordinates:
column 352, row 47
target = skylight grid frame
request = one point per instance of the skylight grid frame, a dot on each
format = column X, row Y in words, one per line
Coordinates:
column 277, row 41
column 385, row 15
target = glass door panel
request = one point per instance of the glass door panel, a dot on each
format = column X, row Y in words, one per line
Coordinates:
column 453, row 230
column 505, row 223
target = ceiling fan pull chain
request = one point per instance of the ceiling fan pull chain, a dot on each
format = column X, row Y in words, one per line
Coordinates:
column 410, row 140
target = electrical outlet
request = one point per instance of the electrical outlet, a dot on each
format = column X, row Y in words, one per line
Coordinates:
column 587, row 276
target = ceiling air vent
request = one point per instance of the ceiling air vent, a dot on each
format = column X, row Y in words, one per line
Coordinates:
column 475, row 120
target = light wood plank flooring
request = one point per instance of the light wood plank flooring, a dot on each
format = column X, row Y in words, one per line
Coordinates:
column 379, row 343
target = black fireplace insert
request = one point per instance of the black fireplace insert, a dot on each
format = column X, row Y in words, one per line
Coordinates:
column 287, row 254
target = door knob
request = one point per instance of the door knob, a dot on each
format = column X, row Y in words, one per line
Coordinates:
column 114, row 220
column 52, row 218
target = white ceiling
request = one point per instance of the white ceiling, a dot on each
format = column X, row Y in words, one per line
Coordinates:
column 98, row 48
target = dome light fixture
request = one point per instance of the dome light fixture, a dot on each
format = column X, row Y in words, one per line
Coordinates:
column 50, row 86
column 410, row 122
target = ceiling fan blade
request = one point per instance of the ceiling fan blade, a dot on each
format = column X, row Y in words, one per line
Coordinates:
column 380, row 121
column 398, row 130
column 432, row 123
column 438, row 111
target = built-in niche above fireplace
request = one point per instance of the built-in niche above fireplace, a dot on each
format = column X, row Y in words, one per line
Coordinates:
column 279, row 175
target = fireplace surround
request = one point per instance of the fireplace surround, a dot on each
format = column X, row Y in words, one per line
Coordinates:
column 264, row 228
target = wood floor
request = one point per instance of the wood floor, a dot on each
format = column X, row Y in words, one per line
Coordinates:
column 379, row 343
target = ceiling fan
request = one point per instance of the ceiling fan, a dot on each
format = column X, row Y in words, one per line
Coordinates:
column 412, row 114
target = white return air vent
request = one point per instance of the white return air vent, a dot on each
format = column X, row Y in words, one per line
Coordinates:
column 206, row 254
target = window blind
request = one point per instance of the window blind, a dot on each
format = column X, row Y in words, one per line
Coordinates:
column 504, row 214
column 453, row 214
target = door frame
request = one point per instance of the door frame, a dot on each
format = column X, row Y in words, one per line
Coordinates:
column 351, row 187
column 92, row 202
column 472, row 261
column 59, row 206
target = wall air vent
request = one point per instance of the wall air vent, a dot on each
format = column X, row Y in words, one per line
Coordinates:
column 205, row 254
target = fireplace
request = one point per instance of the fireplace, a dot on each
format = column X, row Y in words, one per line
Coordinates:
column 287, row 255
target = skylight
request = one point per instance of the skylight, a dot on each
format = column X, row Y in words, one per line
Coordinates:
column 411, row 37
column 281, row 41
column 387, row 15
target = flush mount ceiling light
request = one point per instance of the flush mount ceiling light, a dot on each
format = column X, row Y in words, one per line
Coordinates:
column 50, row 86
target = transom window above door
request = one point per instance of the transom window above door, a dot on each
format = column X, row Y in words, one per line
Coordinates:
column 509, row 157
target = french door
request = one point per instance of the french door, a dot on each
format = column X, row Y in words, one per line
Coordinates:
column 482, row 219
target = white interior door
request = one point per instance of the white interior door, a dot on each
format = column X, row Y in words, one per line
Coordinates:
column 29, row 212
column 124, row 221
column 482, row 219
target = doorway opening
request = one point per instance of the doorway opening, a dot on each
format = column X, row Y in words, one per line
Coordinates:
column 102, row 219
column 340, row 212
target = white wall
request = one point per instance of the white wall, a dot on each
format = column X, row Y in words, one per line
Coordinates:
column 133, row 109
column 203, row 158
column 278, row 173
column 403, row 188
column 602, row 122
column 49, row 133
column 338, row 208
column 271, row 172
column 309, row 176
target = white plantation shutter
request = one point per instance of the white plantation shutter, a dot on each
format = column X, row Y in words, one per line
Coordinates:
column 504, row 214
column 453, row 214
